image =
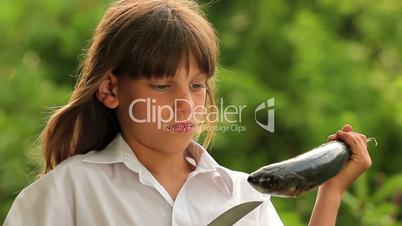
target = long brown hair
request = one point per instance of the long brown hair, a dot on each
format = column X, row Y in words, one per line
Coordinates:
column 136, row 38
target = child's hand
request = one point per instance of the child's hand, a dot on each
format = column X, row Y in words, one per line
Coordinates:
column 359, row 161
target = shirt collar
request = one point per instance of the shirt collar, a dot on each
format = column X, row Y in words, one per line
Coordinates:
column 118, row 151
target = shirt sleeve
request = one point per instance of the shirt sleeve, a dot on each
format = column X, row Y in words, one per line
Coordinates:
column 40, row 204
column 268, row 215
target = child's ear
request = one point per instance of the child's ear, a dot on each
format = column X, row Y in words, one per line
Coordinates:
column 107, row 91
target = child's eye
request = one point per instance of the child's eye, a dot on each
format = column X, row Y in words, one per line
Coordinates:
column 198, row 86
column 161, row 87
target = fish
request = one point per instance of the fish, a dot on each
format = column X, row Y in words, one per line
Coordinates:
column 298, row 175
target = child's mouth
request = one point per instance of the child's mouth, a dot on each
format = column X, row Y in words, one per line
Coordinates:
column 180, row 127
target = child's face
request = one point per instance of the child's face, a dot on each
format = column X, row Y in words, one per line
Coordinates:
column 163, row 114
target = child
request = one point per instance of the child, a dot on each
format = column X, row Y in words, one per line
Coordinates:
column 115, row 155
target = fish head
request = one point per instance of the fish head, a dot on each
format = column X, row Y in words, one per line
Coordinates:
column 276, row 181
column 265, row 181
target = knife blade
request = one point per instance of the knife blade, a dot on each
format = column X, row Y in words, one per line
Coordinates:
column 234, row 214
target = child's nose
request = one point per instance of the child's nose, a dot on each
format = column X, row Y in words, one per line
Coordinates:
column 184, row 102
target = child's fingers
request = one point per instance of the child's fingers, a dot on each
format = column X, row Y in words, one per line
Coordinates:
column 358, row 147
column 331, row 137
column 362, row 138
column 347, row 128
column 351, row 140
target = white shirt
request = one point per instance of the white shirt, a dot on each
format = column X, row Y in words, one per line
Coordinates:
column 112, row 188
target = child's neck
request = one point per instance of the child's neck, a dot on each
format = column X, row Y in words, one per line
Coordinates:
column 170, row 169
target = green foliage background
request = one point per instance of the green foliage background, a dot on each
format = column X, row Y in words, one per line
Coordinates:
column 326, row 62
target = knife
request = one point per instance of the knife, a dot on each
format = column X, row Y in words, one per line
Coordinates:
column 234, row 214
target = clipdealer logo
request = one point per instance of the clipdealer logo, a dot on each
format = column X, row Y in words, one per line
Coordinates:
column 269, row 107
column 229, row 116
